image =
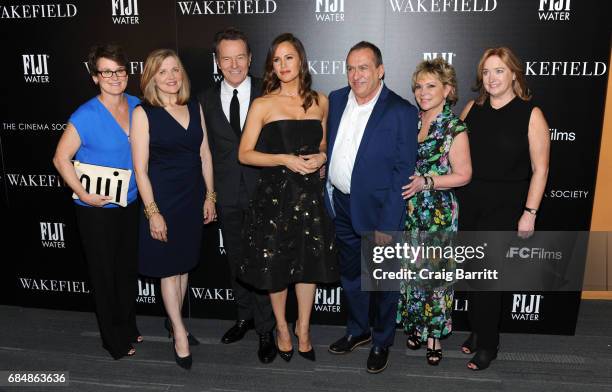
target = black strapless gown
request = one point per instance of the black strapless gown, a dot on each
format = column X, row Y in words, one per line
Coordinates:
column 288, row 236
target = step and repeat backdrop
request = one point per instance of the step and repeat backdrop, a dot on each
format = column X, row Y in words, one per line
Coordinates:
column 564, row 47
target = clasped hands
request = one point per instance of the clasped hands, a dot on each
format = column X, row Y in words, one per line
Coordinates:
column 305, row 164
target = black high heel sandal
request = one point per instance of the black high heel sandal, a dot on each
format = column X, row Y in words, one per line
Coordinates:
column 469, row 346
column 193, row 341
column 184, row 362
column 413, row 341
column 434, row 355
column 482, row 359
column 310, row 354
column 286, row 355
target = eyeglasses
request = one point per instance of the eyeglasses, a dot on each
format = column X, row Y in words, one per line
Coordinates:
column 120, row 73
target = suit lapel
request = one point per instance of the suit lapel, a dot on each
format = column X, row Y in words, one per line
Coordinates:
column 373, row 121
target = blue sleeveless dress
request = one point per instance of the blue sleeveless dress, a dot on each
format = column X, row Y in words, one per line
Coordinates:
column 175, row 171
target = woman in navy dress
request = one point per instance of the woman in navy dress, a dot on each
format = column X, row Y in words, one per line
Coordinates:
column 172, row 162
column 288, row 236
column 97, row 134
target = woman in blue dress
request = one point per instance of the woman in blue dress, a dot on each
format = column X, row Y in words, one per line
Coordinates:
column 98, row 134
column 173, row 164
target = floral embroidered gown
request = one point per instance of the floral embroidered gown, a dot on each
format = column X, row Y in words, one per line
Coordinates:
column 427, row 311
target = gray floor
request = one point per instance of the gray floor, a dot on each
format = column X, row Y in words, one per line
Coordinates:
column 47, row 340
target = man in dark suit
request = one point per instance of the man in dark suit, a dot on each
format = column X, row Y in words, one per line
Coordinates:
column 225, row 108
column 372, row 152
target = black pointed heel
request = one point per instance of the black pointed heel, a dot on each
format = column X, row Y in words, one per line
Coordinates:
column 184, row 362
column 286, row 355
column 193, row 341
column 310, row 354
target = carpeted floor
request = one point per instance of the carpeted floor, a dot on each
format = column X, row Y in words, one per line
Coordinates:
column 49, row 340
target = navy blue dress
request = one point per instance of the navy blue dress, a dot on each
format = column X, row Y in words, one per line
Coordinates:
column 175, row 171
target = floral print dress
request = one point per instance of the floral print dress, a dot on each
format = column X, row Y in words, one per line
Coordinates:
column 422, row 310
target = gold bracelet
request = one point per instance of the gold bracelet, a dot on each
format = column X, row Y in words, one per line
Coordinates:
column 151, row 210
column 212, row 196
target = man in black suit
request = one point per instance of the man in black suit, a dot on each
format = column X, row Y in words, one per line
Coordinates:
column 225, row 107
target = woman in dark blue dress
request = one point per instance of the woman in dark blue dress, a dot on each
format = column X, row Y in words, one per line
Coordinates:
column 172, row 162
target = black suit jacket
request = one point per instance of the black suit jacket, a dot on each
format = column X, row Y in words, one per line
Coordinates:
column 224, row 142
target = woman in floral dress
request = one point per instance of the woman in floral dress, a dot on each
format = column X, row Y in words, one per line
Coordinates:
column 443, row 163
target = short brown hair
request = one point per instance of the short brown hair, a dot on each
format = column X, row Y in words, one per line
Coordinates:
column 151, row 67
column 109, row 51
column 519, row 85
column 442, row 70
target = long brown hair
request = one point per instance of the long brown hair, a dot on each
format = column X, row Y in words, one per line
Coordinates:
column 271, row 81
column 151, row 67
column 519, row 85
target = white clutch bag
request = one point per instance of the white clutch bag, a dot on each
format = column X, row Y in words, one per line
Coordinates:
column 104, row 181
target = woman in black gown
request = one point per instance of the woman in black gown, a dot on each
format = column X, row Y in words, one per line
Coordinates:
column 510, row 146
column 288, row 236
column 172, row 162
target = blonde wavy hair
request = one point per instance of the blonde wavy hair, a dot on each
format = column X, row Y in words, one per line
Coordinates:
column 152, row 65
column 442, row 70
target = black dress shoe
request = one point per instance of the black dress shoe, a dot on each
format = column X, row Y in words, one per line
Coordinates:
column 237, row 331
column 348, row 343
column 378, row 359
column 267, row 348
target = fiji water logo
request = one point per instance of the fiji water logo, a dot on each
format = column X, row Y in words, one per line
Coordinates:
column 446, row 56
column 328, row 299
column 526, row 307
column 329, row 10
column 35, row 68
column 554, row 10
column 146, row 291
column 52, row 234
column 125, row 11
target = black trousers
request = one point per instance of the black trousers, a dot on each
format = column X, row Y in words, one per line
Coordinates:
column 251, row 303
column 110, row 241
column 489, row 206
